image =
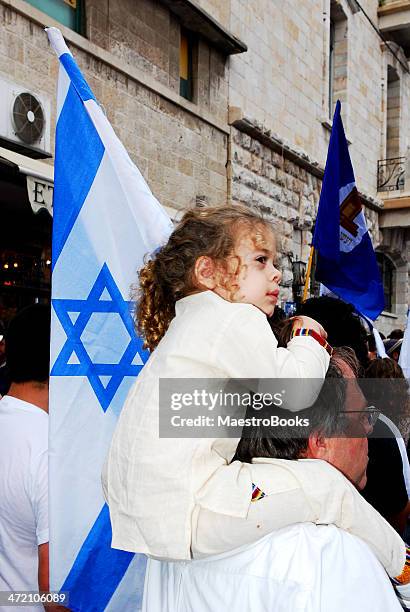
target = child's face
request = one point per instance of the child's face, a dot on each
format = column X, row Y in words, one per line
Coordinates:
column 258, row 279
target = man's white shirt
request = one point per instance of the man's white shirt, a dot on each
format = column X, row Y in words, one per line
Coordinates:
column 303, row 568
column 23, row 493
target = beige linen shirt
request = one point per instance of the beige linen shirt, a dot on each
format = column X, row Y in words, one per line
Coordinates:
column 299, row 491
column 152, row 484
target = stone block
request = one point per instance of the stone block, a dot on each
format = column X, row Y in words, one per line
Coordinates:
column 36, row 59
column 12, row 46
column 185, row 166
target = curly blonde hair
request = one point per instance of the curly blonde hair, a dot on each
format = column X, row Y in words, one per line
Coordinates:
column 169, row 275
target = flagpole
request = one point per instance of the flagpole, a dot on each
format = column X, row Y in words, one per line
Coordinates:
column 308, row 271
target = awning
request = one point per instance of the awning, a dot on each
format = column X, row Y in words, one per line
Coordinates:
column 194, row 18
column 26, row 165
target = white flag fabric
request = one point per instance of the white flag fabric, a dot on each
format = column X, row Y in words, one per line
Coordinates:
column 402, row 449
column 404, row 359
column 106, row 220
column 380, row 348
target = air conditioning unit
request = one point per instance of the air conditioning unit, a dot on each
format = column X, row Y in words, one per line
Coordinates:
column 24, row 119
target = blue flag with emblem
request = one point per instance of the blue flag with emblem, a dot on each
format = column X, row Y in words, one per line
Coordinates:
column 106, row 220
column 346, row 263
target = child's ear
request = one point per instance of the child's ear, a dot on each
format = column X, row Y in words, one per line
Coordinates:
column 204, row 272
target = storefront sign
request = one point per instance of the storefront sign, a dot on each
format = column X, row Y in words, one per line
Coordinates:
column 40, row 194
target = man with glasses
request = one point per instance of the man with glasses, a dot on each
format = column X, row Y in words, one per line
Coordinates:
column 349, row 452
column 339, row 423
column 304, row 567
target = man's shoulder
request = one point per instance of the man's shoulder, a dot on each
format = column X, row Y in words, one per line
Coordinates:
column 14, row 406
column 23, row 421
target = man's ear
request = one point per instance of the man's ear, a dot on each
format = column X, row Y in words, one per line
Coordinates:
column 317, row 446
column 205, row 273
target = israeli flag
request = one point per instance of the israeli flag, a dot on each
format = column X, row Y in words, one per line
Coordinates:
column 105, row 221
column 346, row 262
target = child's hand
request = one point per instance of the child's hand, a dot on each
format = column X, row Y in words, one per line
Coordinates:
column 303, row 321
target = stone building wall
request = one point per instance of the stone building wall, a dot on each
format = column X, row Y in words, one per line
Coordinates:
column 219, row 9
column 286, row 64
column 395, row 102
column 145, row 35
column 181, row 154
column 195, row 151
column 287, row 192
column 283, row 192
column 282, row 85
column 395, row 243
column 278, row 82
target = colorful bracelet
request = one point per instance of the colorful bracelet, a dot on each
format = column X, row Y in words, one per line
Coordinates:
column 305, row 331
column 404, row 577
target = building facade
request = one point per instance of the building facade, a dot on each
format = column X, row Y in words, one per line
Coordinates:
column 215, row 102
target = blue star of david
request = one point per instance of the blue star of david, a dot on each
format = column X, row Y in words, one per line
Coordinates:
column 74, row 345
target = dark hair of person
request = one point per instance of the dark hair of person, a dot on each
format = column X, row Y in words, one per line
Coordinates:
column 342, row 324
column 393, row 346
column 384, row 368
column 276, row 321
column 28, row 344
column 387, row 389
column 282, row 329
column 371, row 343
column 169, row 275
column 324, row 417
column 396, row 334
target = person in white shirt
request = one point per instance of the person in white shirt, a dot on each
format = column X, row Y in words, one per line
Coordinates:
column 202, row 311
column 24, row 534
column 4, row 373
column 302, row 568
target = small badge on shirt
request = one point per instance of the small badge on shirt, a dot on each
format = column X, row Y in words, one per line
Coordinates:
column 257, row 494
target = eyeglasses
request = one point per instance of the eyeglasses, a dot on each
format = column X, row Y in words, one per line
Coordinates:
column 370, row 414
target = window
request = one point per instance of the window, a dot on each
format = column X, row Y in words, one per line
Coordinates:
column 331, row 65
column 393, row 114
column 337, row 56
column 67, row 12
column 387, row 273
column 186, row 64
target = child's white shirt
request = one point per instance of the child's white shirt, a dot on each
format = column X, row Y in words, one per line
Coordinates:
column 152, row 484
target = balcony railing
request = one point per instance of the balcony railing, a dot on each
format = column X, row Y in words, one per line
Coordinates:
column 391, row 174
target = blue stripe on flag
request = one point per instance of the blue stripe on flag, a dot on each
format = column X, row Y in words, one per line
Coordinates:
column 97, row 570
column 79, row 152
column 74, row 73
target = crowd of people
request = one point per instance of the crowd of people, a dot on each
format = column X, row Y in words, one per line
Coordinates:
column 311, row 517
